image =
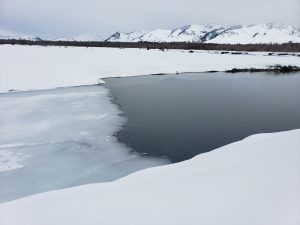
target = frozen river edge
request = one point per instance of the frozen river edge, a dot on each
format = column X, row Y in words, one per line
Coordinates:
column 61, row 138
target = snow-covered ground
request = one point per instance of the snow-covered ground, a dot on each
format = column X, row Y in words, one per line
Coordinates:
column 36, row 67
column 255, row 181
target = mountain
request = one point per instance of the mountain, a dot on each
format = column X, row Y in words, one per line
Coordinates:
column 193, row 33
column 211, row 33
column 155, row 36
column 189, row 33
column 206, row 33
column 82, row 37
column 261, row 33
column 5, row 34
column 126, row 37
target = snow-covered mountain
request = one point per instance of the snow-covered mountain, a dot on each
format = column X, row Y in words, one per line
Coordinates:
column 189, row 33
column 261, row 33
column 155, row 36
column 210, row 33
column 82, row 37
column 127, row 37
column 193, row 33
column 5, row 34
column 207, row 33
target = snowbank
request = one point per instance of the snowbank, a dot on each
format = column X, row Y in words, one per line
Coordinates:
column 35, row 67
column 255, row 181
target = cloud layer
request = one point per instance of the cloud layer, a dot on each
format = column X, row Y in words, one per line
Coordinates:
column 69, row 17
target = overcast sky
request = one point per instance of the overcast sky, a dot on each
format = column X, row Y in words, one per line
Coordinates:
column 53, row 18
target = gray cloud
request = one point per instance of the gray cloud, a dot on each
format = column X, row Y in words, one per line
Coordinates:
column 50, row 18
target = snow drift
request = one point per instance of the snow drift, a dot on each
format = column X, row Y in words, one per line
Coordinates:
column 255, row 181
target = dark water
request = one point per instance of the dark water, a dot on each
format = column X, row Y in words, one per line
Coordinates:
column 180, row 116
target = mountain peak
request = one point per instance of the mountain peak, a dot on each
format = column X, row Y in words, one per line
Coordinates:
column 215, row 33
column 202, row 33
column 258, row 33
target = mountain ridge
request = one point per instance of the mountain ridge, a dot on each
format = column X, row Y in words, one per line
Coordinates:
column 192, row 33
column 212, row 33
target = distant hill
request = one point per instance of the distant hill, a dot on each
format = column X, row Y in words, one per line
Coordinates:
column 5, row 34
column 82, row 37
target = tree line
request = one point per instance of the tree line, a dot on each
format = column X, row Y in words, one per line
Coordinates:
column 286, row 47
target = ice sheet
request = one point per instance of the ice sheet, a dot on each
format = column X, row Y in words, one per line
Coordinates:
column 60, row 138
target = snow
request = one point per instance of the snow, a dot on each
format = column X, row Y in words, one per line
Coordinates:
column 156, row 36
column 208, row 33
column 254, row 181
column 126, row 37
column 191, row 33
column 6, row 34
column 37, row 68
column 61, row 138
column 213, row 33
column 261, row 33
column 82, row 37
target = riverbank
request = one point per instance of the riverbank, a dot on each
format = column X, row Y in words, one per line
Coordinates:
column 39, row 68
column 255, row 180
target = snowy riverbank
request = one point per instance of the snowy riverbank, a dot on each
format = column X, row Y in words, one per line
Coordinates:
column 255, row 181
column 35, row 67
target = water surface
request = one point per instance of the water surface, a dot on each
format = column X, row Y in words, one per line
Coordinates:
column 180, row 116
